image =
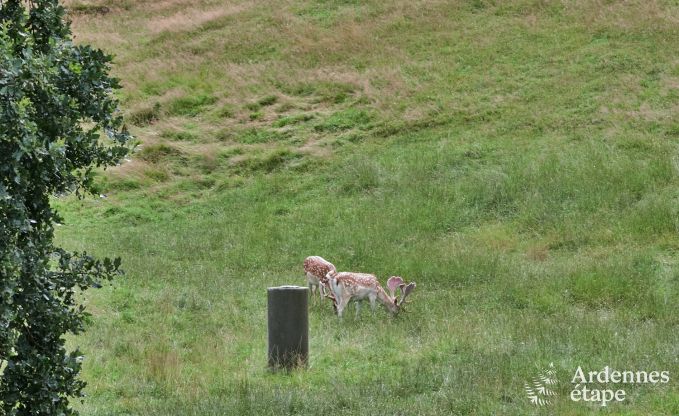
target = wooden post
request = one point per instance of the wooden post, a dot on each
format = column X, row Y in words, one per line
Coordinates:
column 288, row 322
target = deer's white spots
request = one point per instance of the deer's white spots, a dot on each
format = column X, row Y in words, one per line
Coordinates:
column 344, row 287
column 316, row 269
column 348, row 286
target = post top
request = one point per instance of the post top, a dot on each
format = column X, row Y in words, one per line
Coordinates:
column 288, row 287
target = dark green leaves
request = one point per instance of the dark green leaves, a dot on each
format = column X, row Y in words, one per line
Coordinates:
column 49, row 90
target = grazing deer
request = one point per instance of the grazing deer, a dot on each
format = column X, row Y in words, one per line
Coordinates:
column 316, row 269
column 349, row 286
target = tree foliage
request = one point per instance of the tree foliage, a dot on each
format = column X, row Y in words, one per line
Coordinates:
column 58, row 121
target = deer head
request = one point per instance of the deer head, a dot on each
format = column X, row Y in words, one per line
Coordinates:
column 397, row 282
column 362, row 286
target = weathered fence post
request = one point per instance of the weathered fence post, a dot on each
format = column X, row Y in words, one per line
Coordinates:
column 288, row 326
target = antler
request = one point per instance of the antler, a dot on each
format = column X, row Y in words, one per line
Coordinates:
column 397, row 282
column 393, row 283
column 406, row 291
column 347, row 286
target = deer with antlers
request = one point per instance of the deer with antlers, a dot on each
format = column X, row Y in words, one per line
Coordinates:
column 316, row 269
column 348, row 286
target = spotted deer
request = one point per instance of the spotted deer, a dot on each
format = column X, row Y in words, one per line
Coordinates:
column 316, row 269
column 348, row 286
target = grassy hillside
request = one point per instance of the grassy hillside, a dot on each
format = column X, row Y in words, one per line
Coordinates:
column 518, row 159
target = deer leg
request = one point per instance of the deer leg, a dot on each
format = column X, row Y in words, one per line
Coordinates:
column 341, row 304
column 358, row 308
column 312, row 291
column 372, row 303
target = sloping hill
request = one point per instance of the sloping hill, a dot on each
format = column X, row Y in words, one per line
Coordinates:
column 518, row 159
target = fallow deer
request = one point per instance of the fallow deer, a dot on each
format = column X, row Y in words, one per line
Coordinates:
column 316, row 269
column 349, row 286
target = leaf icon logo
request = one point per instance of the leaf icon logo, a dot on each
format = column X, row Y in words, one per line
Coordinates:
column 539, row 390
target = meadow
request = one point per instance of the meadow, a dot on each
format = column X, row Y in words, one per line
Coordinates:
column 518, row 159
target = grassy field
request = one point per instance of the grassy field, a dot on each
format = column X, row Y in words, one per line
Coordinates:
column 518, row 159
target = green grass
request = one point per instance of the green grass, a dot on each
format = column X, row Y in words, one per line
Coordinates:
column 518, row 160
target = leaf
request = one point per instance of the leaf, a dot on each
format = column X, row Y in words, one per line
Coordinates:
column 538, row 391
column 50, row 90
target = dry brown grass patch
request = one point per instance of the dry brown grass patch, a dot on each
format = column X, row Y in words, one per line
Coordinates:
column 185, row 20
column 163, row 365
column 317, row 148
column 538, row 253
column 627, row 15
